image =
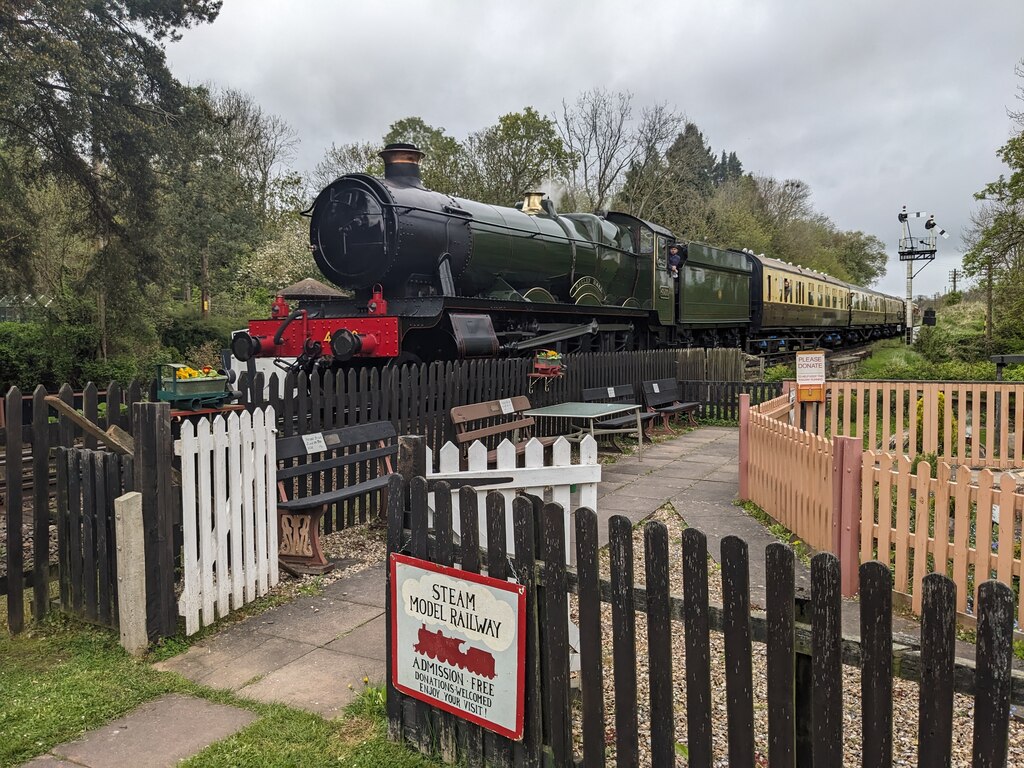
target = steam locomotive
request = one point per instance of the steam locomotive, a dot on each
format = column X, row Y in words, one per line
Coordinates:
column 437, row 645
column 434, row 277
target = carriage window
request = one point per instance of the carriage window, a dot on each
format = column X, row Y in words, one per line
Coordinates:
column 810, row 297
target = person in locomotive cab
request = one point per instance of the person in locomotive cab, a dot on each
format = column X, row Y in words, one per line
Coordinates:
column 674, row 260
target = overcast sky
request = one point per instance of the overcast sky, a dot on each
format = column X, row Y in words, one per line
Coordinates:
column 875, row 104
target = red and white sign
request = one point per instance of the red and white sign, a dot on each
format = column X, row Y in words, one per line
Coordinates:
column 810, row 376
column 458, row 642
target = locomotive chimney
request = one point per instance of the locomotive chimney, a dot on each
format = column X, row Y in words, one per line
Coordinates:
column 402, row 164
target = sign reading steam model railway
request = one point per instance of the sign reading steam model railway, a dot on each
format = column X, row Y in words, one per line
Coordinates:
column 458, row 642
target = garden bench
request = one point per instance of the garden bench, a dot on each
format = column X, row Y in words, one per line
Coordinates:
column 495, row 420
column 324, row 453
column 662, row 396
column 624, row 394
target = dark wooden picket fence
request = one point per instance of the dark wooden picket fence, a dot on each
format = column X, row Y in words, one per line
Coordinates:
column 417, row 399
column 88, row 482
column 805, row 649
column 33, row 511
column 721, row 399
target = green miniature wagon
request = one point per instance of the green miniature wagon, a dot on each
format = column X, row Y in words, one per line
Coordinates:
column 190, row 392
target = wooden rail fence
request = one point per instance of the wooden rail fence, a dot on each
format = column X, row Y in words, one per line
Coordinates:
column 805, row 720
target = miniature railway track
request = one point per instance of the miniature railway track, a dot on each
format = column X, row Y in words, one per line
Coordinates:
column 26, row 474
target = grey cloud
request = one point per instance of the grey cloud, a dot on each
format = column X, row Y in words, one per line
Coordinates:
column 873, row 104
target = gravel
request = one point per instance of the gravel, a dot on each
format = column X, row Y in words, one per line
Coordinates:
column 27, row 537
column 905, row 693
column 351, row 549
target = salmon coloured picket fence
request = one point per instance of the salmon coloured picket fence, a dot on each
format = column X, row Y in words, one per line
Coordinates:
column 792, row 478
column 953, row 524
column 966, row 422
column 829, row 486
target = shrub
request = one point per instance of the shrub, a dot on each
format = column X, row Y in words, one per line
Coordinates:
column 42, row 353
column 931, row 458
column 940, row 414
column 190, row 331
column 780, row 372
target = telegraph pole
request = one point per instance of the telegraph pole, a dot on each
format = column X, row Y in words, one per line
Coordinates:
column 954, row 275
column 913, row 249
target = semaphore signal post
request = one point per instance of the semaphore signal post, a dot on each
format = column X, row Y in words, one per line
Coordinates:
column 913, row 249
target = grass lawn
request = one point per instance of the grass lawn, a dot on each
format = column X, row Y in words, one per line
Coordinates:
column 64, row 678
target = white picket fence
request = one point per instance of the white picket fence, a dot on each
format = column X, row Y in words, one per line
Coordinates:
column 229, row 514
column 552, row 482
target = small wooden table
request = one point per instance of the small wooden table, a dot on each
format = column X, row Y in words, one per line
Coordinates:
column 591, row 413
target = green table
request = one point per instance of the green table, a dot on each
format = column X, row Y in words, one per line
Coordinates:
column 592, row 413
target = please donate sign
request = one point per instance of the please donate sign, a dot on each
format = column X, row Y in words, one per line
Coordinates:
column 458, row 642
column 810, row 376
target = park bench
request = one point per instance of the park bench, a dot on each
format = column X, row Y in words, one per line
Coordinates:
column 662, row 396
column 326, row 455
column 494, row 421
column 624, row 394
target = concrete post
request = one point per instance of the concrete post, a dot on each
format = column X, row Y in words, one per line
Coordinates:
column 847, row 458
column 744, row 446
column 131, row 572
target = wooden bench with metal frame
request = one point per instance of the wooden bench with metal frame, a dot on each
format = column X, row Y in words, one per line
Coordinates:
column 624, row 394
column 662, row 396
column 497, row 420
column 326, row 453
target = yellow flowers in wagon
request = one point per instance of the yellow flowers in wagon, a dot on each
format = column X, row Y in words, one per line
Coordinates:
column 187, row 372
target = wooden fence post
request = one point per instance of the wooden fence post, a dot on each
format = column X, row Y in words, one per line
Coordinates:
column 152, row 469
column 131, row 572
column 15, row 551
column 744, row 446
column 847, row 457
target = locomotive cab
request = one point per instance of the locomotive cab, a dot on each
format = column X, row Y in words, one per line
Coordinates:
column 654, row 288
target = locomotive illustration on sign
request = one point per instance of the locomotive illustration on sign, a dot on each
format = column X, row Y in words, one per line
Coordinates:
column 436, row 277
column 437, row 645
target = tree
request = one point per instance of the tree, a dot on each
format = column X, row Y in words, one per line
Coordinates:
column 691, row 162
column 258, row 145
column 87, row 98
column 514, row 156
column 340, row 159
column 735, row 220
column 729, row 168
column 784, row 201
column 995, row 240
column 86, row 88
column 647, row 188
column 596, row 130
column 862, row 256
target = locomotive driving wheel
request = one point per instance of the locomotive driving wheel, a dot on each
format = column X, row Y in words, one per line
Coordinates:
column 618, row 341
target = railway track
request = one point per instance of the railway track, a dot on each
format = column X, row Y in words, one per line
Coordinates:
column 834, row 358
column 26, row 475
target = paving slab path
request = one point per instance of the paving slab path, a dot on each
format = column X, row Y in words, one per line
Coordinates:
column 157, row 734
column 312, row 653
